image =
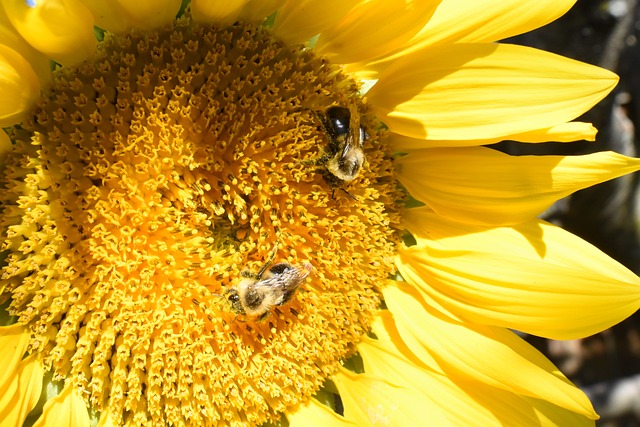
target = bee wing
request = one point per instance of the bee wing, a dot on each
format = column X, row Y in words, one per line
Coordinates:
column 285, row 283
column 353, row 139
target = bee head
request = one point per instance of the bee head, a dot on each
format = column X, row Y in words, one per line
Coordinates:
column 234, row 299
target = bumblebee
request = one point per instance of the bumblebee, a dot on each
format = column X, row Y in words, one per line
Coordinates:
column 257, row 294
column 344, row 158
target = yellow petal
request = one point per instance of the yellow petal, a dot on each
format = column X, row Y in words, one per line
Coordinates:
column 258, row 10
column 149, row 14
column 374, row 28
column 315, row 413
column 482, row 91
column 463, row 402
column 549, row 415
column 479, row 185
column 66, row 409
column 490, row 355
column 370, row 400
column 299, row 20
column 5, row 148
column 13, row 342
column 120, row 15
column 480, row 21
column 10, row 38
column 216, row 12
column 61, row 29
column 19, row 87
column 566, row 132
column 106, row 420
column 20, row 398
column 534, row 277
column 456, row 21
column 109, row 15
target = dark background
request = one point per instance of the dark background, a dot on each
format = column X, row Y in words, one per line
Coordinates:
column 604, row 33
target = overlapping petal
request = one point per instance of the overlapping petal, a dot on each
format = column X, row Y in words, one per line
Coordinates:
column 566, row 132
column 374, row 28
column 19, row 85
column 60, row 29
column 478, row 185
column 216, row 11
column 489, row 355
column 533, row 277
column 484, row 91
column 10, row 38
column 315, row 413
column 371, row 400
column 121, row 15
column 459, row 21
column 65, row 409
column 5, row 148
column 548, row 414
column 106, row 420
column 259, row 10
column 22, row 395
column 13, row 340
column 458, row 401
column 299, row 20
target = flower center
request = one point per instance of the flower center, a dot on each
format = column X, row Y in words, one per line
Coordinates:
column 198, row 222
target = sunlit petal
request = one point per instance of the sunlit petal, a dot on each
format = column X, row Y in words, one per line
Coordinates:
column 61, row 29
column 459, row 21
column 66, row 409
column 566, row 132
column 19, row 398
column 533, row 277
column 478, row 185
column 374, row 28
column 15, row 339
column 490, row 355
column 315, row 413
column 488, row 21
column 371, row 400
column 483, row 91
column 299, row 20
column 549, row 415
column 106, row 420
column 462, row 402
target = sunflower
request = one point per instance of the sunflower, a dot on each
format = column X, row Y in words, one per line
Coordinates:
column 247, row 212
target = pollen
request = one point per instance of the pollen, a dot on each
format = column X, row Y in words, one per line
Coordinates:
column 150, row 181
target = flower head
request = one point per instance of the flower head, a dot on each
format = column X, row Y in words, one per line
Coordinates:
column 203, row 217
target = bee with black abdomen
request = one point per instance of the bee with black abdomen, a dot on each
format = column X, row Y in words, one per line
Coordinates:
column 257, row 294
column 345, row 157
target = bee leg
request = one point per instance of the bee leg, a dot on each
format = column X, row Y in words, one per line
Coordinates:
column 266, row 265
column 322, row 160
column 349, row 194
column 333, row 193
column 263, row 316
column 248, row 274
